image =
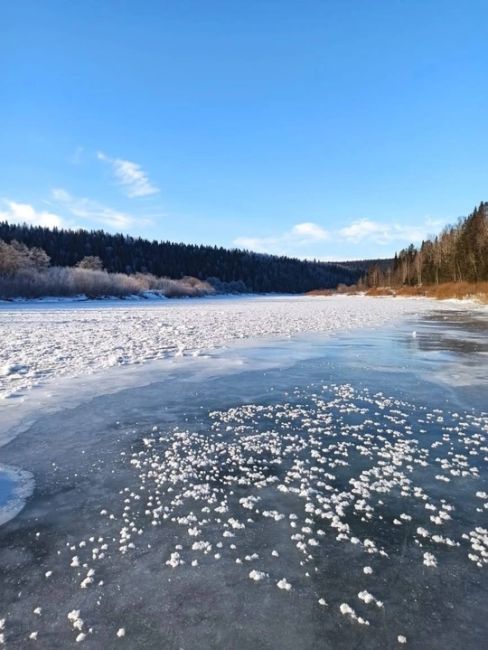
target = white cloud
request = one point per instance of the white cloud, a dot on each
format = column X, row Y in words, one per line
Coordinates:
column 305, row 239
column 310, row 231
column 385, row 233
column 300, row 235
column 77, row 212
column 130, row 176
column 257, row 244
column 358, row 230
column 94, row 212
column 26, row 213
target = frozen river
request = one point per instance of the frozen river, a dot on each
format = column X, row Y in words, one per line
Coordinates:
column 304, row 492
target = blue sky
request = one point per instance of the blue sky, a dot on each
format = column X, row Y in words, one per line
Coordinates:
column 334, row 129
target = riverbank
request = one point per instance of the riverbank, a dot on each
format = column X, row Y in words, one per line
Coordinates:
column 446, row 291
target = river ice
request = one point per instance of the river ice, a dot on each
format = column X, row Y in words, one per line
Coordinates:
column 334, row 500
column 45, row 341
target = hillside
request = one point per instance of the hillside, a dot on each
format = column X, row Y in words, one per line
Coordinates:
column 226, row 270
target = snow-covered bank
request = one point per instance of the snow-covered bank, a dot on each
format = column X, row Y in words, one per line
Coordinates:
column 82, row 297
column 43, row 342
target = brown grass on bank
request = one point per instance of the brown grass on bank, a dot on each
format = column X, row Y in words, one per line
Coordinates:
column 321, row 292
column 445, row 291
column 341, row 288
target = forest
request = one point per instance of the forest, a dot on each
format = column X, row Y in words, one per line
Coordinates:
column 36, row 260
column 26, row 273
column 226, row 271
column 459, row 254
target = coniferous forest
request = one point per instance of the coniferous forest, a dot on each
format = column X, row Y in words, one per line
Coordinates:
column 225, row 270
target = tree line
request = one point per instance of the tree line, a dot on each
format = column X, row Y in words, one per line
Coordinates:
column 226, row 270
column 458, row 254
column 26, row 273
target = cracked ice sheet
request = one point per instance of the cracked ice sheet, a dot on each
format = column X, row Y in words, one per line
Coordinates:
column 42, row 342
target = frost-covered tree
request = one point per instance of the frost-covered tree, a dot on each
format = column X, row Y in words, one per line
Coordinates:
column 91, row 262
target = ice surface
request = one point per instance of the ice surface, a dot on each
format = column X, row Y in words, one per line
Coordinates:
column 15, row 487
column 45, row 341
column 293, row 505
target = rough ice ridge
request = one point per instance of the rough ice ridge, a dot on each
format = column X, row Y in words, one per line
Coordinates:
column 40, row 343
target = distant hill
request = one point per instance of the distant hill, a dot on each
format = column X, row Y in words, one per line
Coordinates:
column 227, row 270
column 383, row 263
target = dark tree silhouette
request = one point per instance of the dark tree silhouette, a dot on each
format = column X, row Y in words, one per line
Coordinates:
column 228, row 270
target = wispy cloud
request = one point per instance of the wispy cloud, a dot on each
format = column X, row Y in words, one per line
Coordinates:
column 67, row 211
column 301, row 234
column 26, row 213
column 95, row 212
column 309, row 232
column 130, row 176
column 385, row 233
